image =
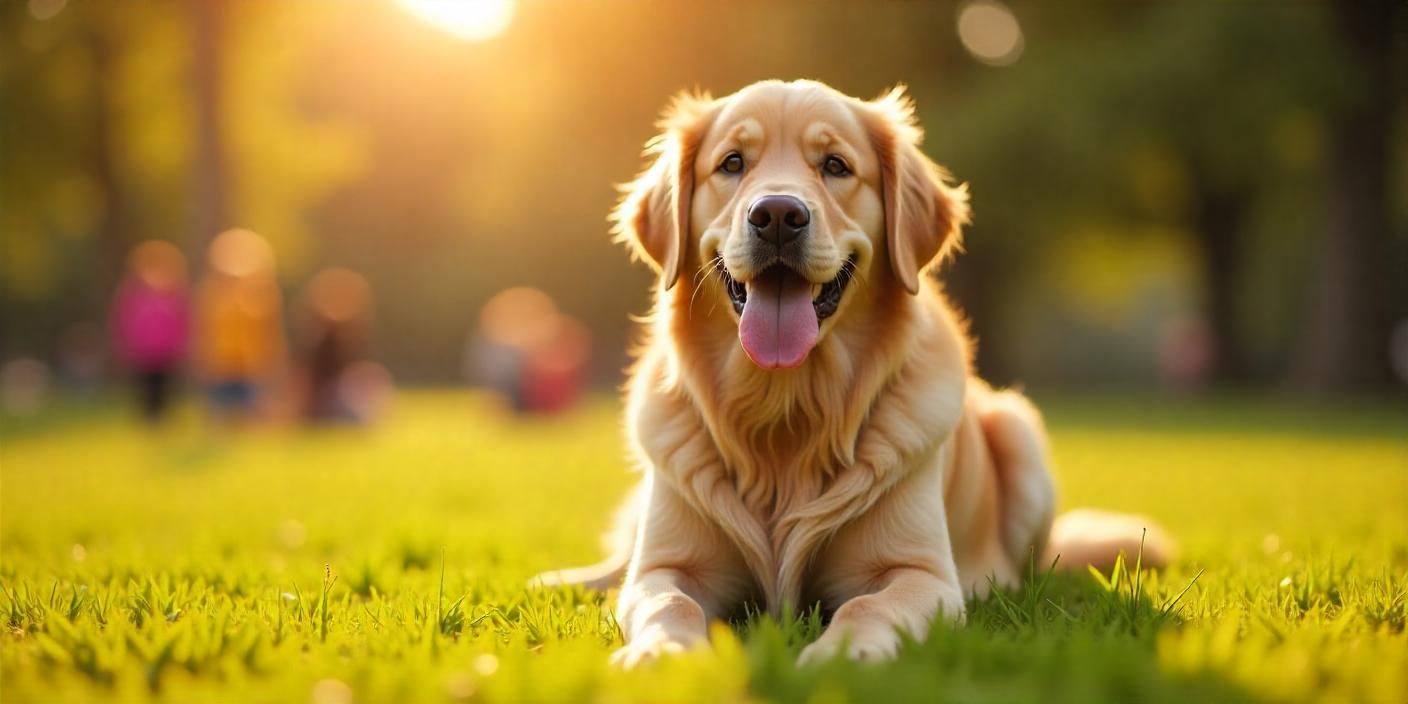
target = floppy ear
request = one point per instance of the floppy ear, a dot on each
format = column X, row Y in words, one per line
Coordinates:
column 923, row 213
column 652, row 218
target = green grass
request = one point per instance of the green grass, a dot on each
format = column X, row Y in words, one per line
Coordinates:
column 335, row 566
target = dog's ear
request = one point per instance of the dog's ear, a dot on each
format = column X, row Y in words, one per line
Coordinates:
column 924, row 214
column 652, row 218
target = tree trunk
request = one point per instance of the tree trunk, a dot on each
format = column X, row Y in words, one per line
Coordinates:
column 1218, row 219
column 1344, row 346
column 210, row 217
column 114, row 227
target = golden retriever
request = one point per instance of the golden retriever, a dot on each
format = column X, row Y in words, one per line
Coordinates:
column 803, row 407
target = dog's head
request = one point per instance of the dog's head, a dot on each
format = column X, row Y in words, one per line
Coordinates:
column 790, row 193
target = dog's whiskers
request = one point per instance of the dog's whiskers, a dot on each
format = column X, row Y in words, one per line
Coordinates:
column 852, row 275
column 710, row 268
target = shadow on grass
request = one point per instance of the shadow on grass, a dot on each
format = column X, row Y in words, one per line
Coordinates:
column 1057, row 638
column 971, row 665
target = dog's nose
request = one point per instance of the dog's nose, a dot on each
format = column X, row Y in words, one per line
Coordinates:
column 779, row 219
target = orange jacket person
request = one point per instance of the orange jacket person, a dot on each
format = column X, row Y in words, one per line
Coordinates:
column 239, row 313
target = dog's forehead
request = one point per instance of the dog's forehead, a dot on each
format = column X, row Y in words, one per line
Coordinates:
column 802, row 111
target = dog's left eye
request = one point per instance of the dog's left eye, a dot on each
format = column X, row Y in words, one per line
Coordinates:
column 835, row 166
column 732, row 163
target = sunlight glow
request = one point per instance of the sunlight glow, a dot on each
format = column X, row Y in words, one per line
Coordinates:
column 473, row 20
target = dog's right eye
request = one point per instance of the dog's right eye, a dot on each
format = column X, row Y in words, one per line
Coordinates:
column 732, row 163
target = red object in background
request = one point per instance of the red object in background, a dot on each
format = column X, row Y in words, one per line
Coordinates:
column 553, row 375
column 530, row 352
column 1185, row 353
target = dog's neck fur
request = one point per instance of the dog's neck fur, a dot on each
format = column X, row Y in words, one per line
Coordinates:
column 786, row 459
column 780, row 434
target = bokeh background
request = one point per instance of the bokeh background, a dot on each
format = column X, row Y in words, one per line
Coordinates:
column 1181, row 195
column 240, row 219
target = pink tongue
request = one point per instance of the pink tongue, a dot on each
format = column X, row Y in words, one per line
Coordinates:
column 778, row 326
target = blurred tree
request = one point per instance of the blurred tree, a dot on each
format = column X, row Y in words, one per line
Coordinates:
column 1189, row 144
column 210, row 214
column 1098, row 88
column 1345, row 341
column 114, row 117
column 284, row 157
column 114, row 228
column 63, row 208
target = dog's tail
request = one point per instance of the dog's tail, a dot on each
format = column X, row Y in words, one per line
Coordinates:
column 608, row 573
column 1093, row 537
column 1016, row 437
column 601, row 576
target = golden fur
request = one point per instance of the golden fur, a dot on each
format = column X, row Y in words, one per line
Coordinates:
column 879, row 477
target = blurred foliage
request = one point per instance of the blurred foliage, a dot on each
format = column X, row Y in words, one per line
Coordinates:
column 448, row 170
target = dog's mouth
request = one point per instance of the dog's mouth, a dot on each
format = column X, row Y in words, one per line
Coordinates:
column 780, row 311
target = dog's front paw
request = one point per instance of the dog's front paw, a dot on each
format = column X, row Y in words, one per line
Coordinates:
column 866, row 645
column 646, row 648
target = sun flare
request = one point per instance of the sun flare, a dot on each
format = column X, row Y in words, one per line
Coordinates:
column 473, row 20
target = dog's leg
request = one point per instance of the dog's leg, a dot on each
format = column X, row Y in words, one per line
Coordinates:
column 868, row 627
column 1016, row 438
column 892, row 570
column 685, row 572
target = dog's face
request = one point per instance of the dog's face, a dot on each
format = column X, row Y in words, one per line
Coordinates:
column 787, row 202
column 790, row 192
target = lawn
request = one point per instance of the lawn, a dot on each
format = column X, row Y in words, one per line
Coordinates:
column 387, row 566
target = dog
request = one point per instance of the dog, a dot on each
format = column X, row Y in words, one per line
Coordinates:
column 803, row 406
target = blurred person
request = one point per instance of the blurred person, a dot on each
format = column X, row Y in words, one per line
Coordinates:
column 24, row 385
column 81, row 356
column 336, row 381
column 494, row 366
column 149, row 322
column 510, row 322
column 553, row 373
column 1185, row 353
column 239, row 315
column 529, row 352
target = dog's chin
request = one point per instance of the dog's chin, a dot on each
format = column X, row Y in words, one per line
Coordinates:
column 780, row 312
